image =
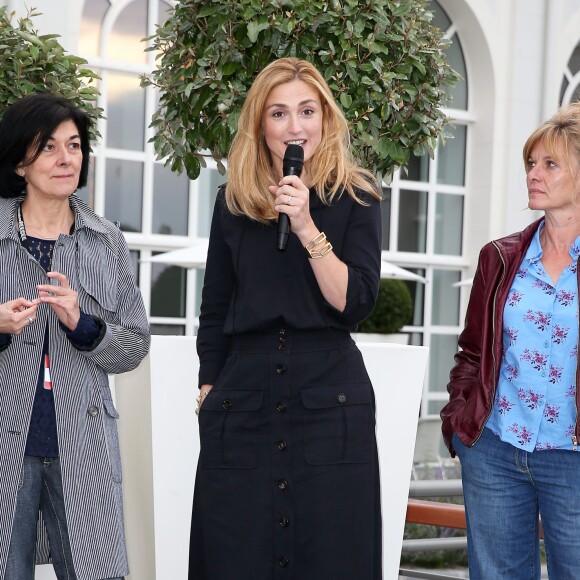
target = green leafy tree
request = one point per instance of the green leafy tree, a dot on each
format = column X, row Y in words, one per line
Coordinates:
column 383, row 59
column 39, row 64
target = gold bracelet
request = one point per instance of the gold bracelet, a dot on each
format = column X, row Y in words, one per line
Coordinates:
column 319, row 246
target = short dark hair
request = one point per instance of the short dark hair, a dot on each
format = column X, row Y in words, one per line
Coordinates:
column 29, row 123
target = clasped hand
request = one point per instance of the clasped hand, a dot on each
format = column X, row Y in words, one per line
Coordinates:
column 19, row 313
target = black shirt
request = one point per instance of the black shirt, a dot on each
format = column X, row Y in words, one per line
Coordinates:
column 250, row 286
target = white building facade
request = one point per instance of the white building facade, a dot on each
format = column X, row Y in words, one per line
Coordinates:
column 519, row 59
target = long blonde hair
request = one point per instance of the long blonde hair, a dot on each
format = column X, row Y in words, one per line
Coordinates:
column 250, row 170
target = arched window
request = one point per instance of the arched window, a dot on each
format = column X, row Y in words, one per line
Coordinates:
column 157, row 209
column 423, row 216
column 570, row 88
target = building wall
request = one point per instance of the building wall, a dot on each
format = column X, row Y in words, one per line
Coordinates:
column 516, row 53
column 515, row 50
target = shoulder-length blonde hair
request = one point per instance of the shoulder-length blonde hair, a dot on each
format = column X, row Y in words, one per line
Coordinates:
column 250, row 169
column 562, row 128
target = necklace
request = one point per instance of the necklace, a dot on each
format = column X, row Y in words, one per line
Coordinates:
column 21, row 228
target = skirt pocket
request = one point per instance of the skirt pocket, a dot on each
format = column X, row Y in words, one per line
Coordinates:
column 228, row 430
column 338, row 423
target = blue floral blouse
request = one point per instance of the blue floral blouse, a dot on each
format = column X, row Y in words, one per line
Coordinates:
column 534, row 408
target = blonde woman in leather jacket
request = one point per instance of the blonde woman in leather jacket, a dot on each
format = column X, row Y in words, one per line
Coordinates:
column 512, row 414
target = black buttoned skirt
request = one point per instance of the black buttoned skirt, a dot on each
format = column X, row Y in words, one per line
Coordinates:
column 287, row 483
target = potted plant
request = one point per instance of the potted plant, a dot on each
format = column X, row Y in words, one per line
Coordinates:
column 384, row 60
column 393, row 309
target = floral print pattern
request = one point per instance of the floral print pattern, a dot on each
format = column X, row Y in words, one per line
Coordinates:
column 534, row 406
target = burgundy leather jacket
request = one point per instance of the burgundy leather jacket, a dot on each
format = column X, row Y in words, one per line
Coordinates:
column 474, row 378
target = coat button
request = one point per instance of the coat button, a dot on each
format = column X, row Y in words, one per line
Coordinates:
column 282, row 332
column 284, row 522
column 341, row 398
column 282, row 484
column 280, row 369
column 281, row 445
column 280, row 407
column 227, row 404
column 283, row 561
column 93, row 410
column 281, row 347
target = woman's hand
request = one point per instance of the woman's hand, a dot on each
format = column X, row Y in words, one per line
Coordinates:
column 293, row 198
column 17, row 314
column 203, row 391
column 62, row 299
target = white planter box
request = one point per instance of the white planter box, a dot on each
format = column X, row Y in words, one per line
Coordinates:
column 160, row 444
column 398, row 338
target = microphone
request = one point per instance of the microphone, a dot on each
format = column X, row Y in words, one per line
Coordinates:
column 291, row 165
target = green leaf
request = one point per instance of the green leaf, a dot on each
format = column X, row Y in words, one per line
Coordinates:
column 345, row 100
column 192, row 165
column 254, row 28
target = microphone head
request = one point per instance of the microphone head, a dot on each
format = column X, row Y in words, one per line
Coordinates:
column 293, row 160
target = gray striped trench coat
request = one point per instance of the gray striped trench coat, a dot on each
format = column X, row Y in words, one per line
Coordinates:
column 96, row 260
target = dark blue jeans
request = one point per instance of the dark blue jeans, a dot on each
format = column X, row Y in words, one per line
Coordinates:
column 41, row 489
column 505, row 489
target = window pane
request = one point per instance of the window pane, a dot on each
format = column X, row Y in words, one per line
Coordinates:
column 441, row 352
column 168, row 329
column 87, row 193
column 129, row 29
column 412, row 221
column 209, row 182
column 563, row 90
column 440, row 18
column 90, row 28
column 416, row 339
column 448, row 224
column 125, row 112
column 417, row 290
column 124, row 193
column 575, row 95
column 445, row 298
column 168, row 290
column 134, row 255
column 451, row 156
column 574, row 62
column 417, row 169
column 456, row 95
column 170, row 201
column 199, row 276
column 165, row 11
column 434, row 407
column 386, row 216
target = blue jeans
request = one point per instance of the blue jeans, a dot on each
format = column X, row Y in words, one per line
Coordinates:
column 505, row 489
column 41, row 490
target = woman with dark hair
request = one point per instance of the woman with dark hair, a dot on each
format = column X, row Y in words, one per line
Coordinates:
column 70, row 314
column 287, row 482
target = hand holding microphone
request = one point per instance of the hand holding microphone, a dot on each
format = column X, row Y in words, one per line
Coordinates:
column 291, row 165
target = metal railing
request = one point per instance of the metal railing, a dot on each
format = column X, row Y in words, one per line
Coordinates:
column 434, row 513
